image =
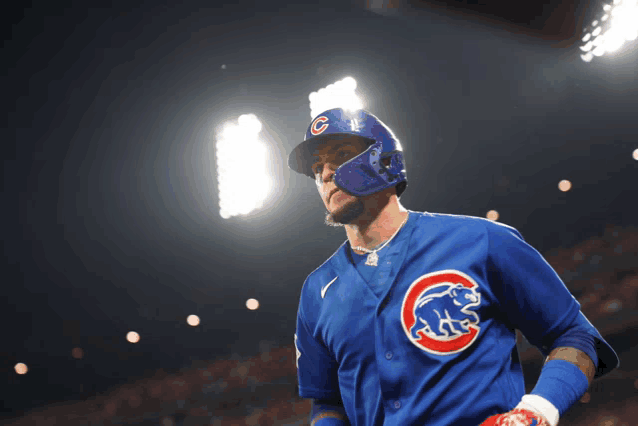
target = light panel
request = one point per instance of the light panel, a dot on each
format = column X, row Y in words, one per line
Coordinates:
column 341, row 94
column 618, row 25
column 243, row 178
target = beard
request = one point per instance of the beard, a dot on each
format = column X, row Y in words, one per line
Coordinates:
column 345, row 214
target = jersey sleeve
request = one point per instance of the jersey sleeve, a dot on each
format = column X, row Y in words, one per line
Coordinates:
column 317, row 370
column 531, row 294
column 607, row 359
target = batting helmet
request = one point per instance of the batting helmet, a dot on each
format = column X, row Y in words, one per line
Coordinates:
column 364, row 174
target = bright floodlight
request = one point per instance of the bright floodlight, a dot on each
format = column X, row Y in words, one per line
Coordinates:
column 21, row 368
column 242, row 168
column 336, row 95
column 635, row 154
column 492, row 215
column 617, row 25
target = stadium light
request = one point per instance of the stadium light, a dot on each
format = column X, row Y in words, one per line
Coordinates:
column 252, row 304
column 340, row 94
column 617, row 25
column 242, row 168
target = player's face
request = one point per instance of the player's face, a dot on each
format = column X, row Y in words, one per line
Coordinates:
column 342, row 207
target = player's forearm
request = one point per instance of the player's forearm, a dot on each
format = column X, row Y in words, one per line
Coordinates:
column 577, row 357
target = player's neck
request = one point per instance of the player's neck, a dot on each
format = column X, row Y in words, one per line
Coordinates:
column 380, row 220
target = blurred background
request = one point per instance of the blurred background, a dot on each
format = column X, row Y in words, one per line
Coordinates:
column 133, row 290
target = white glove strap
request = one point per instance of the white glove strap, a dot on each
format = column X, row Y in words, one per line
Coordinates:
column 541, row 406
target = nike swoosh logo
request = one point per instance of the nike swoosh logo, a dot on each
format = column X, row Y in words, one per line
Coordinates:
column 323, row 290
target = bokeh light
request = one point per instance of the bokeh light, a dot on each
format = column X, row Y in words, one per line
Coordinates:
column 21, row 368
column 564, row 185
column 132, row 337
column 492, row 215
column 635, row 154
column 77, row 353
column 193, row 320
column 614, row 305
column 609, row 421
column 167, row 421
column 252, row 304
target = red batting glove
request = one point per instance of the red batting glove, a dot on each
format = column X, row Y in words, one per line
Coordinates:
column 516, row 417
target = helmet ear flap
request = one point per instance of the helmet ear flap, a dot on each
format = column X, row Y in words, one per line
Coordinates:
column 395, row 165
column 401, row 188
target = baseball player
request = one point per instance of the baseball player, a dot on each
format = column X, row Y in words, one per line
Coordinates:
column 412, row 320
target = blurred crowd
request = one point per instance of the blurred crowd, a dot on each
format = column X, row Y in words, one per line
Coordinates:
column 602, row 273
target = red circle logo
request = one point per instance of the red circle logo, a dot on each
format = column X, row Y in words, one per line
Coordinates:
column 317, row 131
column 438, row 312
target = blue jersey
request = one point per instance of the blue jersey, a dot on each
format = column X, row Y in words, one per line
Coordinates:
column 428, row 335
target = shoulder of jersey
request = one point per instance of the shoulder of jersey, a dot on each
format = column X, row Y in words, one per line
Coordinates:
column 317, row 278
column 469, row 220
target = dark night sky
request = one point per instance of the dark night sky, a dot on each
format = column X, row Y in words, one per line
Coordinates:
column 110, row 208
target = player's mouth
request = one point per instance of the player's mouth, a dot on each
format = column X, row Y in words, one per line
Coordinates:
column 337, row 195
column 331, row 193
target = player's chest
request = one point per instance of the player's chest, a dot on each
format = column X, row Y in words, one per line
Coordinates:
column 437, row 306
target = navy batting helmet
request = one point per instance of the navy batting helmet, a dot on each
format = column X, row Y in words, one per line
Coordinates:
column 364, row 174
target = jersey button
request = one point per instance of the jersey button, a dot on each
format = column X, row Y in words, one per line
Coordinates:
column 397, row 404
column 388, row 355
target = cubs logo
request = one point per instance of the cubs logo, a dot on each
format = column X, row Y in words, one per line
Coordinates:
column 437, row 313
column 318, row 130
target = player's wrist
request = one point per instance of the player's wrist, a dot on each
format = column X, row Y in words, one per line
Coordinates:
column 561, row 383
column 540, row 405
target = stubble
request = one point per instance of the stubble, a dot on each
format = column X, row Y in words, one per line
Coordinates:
column 345, row 214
